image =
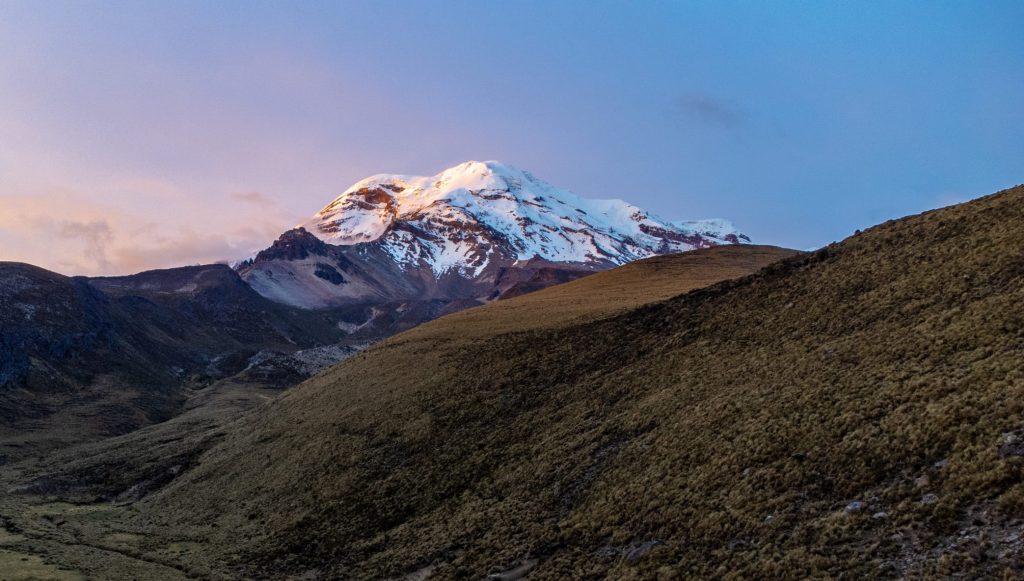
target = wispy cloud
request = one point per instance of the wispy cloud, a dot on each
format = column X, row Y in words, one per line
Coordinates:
column 256, row 198
column 711, row 110
column 181, row 248
column 95, row 236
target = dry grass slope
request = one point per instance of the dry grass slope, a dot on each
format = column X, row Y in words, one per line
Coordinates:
column 116, row 540
column 606, row 293
column 855, row 411
column 858, row 411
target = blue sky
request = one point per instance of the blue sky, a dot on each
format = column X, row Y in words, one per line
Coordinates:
column 141, row 134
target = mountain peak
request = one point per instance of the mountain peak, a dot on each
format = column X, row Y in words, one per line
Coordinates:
column 477, row 211
column 478, row 167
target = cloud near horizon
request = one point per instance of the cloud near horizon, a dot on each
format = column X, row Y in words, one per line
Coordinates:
column 95, row 235
column 257, row 198
column 97, row 240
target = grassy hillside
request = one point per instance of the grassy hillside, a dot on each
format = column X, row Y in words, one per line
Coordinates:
column 116, row 537
column 856, row 412
column 853, row 411
column 618, row 290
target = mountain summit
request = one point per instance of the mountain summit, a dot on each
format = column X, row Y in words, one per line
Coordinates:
column 476, row 212
column 471, row 232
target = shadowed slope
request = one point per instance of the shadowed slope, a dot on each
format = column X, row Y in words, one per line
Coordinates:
column 855, row 410
column 82, row 359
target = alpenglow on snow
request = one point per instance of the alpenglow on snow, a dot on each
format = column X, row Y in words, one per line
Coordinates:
column 476, row 212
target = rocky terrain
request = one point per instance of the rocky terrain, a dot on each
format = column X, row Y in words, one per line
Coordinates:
column 88, row 358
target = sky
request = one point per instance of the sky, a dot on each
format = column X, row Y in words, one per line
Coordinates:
column 137, row 134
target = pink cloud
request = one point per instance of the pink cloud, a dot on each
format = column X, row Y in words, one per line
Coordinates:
column 68, row 232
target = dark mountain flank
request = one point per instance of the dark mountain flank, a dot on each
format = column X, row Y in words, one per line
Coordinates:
column 84, row 358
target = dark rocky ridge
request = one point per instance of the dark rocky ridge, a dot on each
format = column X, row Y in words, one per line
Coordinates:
column 295, row 244
column 300, row 270
column 83, row 358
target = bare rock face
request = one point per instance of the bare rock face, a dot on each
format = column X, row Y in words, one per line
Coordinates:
column 1012, row 444
column 294, row 244
column 461, row 235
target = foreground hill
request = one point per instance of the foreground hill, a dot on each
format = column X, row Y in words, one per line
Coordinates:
column 107, row 540
column 853, row 411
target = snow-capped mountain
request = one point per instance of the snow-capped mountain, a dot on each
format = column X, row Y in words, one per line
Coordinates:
column 476, row 212
column 460, row 235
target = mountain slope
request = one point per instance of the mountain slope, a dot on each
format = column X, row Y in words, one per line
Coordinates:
column 139, row 463
column 610, row 292
column 458, row 236
column 85, row 358
column 302, row 271
column 852, row 411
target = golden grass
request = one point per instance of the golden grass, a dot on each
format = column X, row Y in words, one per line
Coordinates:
column 417, row 353
column 722, row 433
column 843, row 413
column 607, row 293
